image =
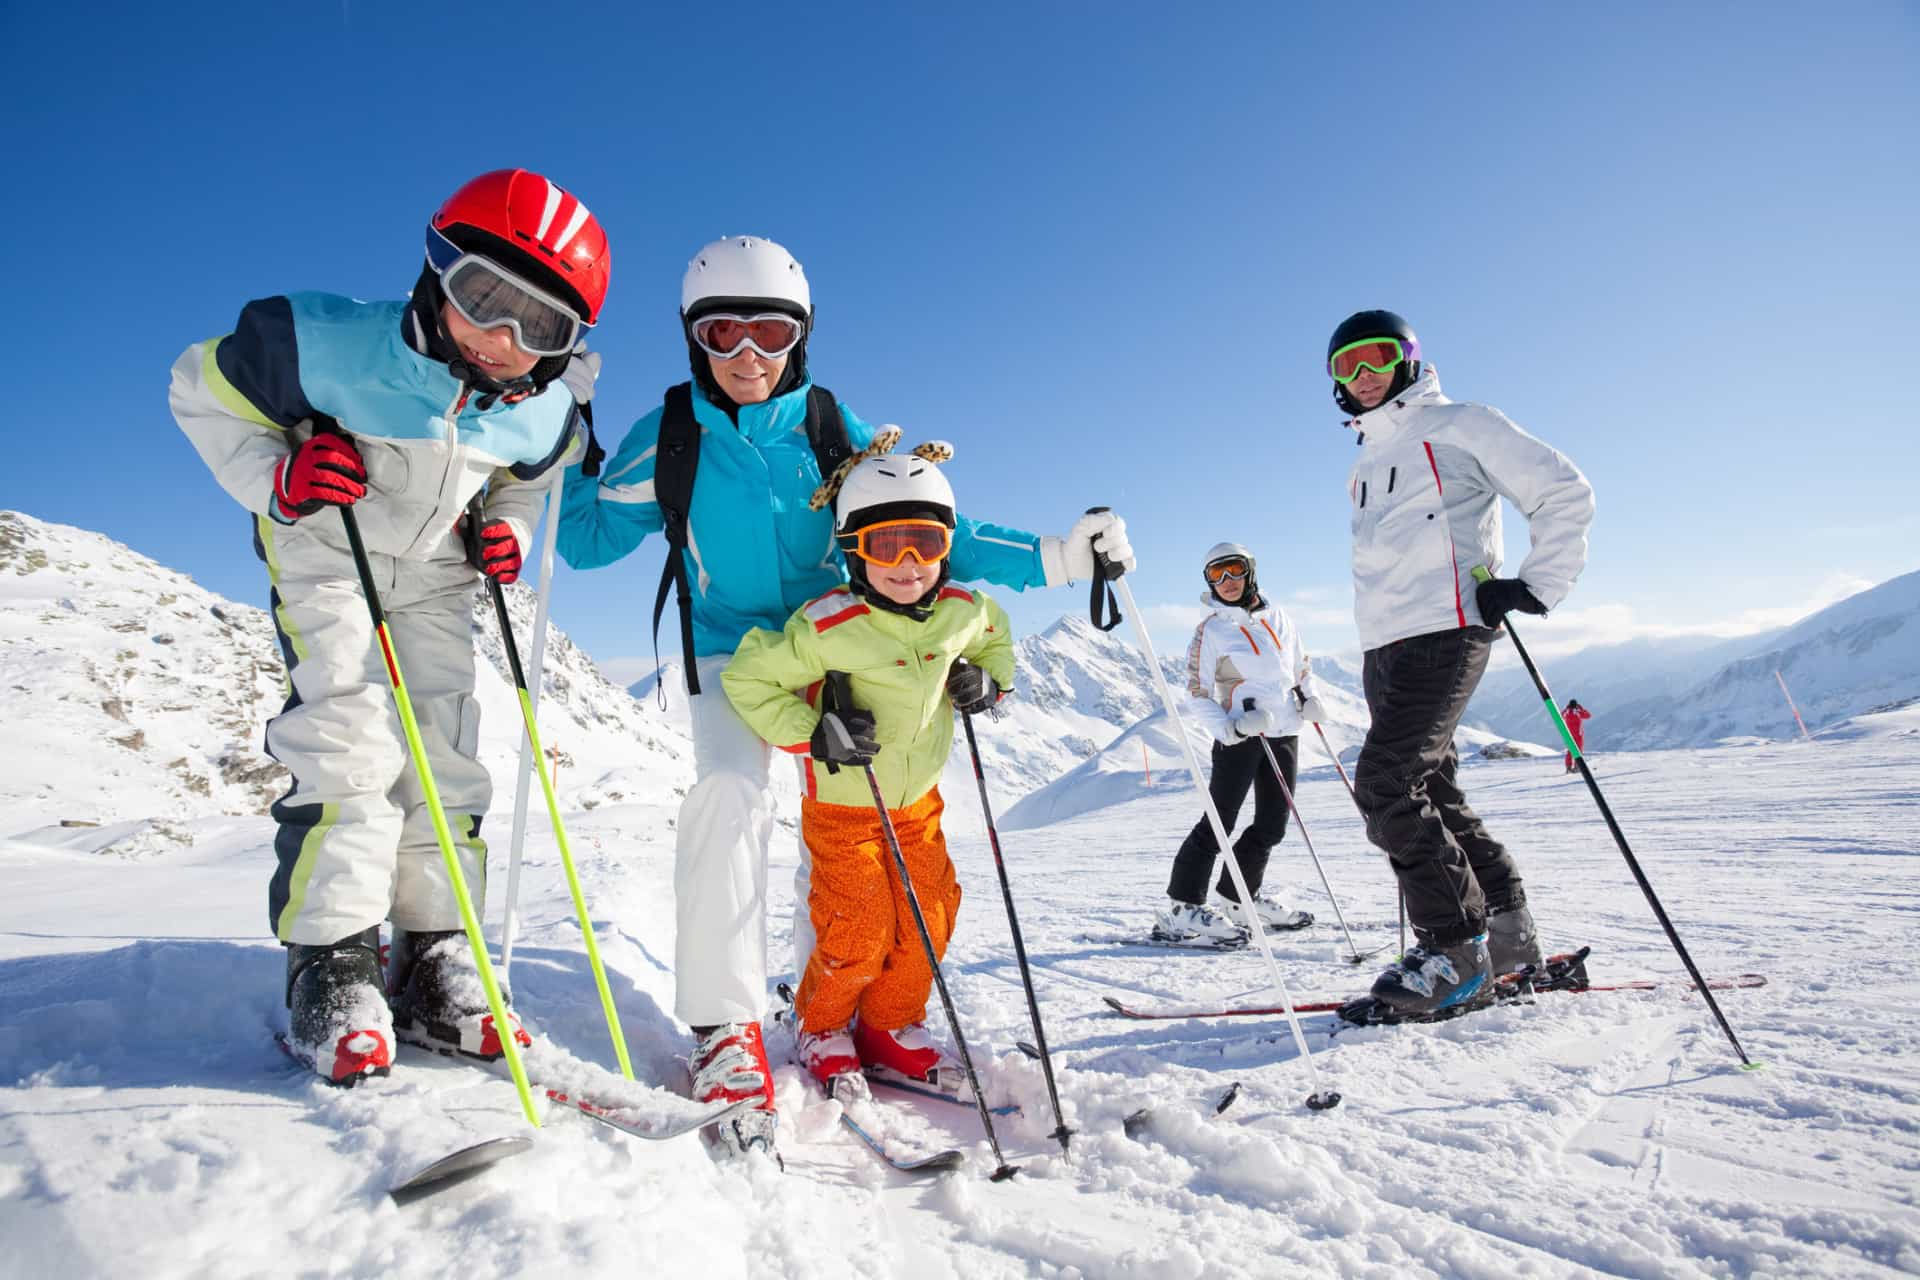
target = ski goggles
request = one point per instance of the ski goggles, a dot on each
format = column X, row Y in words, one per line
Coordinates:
column 1221, row 570
column 488, row 296
column 888, row 543
column 771, row 333
column 1378, row 355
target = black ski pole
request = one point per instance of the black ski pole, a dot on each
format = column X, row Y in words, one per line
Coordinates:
column 1273, row 761
column 837, row 694
column 1061, row 1133
column 1480, row 574
column 1341, row 770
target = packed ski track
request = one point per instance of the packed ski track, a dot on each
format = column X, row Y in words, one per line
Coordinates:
column 152, row 1127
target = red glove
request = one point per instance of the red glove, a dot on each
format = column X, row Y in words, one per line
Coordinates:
column 499, row 552
column 326, row 471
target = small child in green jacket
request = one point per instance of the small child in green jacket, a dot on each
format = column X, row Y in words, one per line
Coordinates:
column 915, row 648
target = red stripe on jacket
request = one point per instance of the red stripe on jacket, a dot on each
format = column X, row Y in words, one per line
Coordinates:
column 1459, row 607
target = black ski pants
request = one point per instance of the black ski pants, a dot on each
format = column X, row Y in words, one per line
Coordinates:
column 1236, row 768
column 1452, row 872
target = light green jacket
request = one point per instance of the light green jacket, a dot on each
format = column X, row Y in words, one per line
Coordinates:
column 899, row 669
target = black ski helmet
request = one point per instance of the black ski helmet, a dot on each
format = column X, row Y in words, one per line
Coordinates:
column 1375, row 324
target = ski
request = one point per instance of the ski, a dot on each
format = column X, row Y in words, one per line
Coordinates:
column 458, row 1166
column 906, row 1084
column 937, row 1162
column 1559, row 975
column 1167, row 944
column 625, row 1117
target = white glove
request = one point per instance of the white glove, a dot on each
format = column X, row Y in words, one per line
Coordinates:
column 582, row 371
column 1313, row 711
column 1070, row 559
column 1253, row 723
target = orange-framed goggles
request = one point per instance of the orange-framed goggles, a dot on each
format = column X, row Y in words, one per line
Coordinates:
column 889, row 542
column 1220, row 570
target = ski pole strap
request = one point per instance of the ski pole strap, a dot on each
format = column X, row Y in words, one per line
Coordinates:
column 1481, row 574
column 1104, row 571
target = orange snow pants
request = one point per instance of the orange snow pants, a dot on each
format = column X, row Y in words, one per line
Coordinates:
column 867, row 956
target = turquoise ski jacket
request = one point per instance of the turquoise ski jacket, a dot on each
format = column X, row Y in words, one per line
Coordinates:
column 755, row 552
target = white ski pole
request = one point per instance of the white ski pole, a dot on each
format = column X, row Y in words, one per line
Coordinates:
column 1319, row 1099
column 548, row 537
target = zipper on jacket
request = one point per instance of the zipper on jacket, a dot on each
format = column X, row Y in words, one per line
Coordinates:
column 447, row 477
column 1363, row 494
column 1391, row 473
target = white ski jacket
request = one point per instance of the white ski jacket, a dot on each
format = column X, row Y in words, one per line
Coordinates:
column 1237, row 655
column 1426, row 493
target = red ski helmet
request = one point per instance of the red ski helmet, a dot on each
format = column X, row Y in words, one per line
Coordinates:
column 533, row 227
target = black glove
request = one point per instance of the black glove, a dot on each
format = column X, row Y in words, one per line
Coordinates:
column 844, row 737
column 971, row 688
column 1497, row 597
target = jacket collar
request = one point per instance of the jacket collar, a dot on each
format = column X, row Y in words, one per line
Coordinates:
column 761, row 423
column 1391, row 418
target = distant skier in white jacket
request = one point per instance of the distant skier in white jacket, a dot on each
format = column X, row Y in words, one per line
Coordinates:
column 1243, row 667
column 1426, row 493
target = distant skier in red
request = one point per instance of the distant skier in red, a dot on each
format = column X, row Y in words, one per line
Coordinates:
column 1576, row 716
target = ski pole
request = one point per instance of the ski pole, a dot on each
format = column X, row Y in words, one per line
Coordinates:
column 525, row 779
column 1339, row 769
column 1353, row 948
column 1319, row 1099
column 1061, row 1133
column 839, row 694
column 1481, row 574
column 503, row 1027
column 553, row 804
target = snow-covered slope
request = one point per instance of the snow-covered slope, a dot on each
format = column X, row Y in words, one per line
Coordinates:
column 1147, row 759
column 1861, row 653
column 152, row 1129
column 148, row 697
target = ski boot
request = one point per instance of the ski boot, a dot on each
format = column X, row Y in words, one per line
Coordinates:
column 1428, row 983
column 730, row 1065
column 1274, row 917
column 439, row 1002
column 909, row 1056
column 830, row 1058
column 338, row 1021
column 1512, row 943
column 1196, row 924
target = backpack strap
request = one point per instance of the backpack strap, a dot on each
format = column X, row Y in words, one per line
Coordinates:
column 826, row 430
column 675, row 461
column 675, row 464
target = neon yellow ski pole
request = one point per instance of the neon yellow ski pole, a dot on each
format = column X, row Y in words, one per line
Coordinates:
column 553, row 806
column 503, row 1027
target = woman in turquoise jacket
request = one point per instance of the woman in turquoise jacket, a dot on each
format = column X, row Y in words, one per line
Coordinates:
column 756, row 550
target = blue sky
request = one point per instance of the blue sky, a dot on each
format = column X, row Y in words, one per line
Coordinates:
column 1097, row 247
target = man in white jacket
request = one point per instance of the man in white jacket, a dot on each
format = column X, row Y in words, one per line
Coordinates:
column 1243, row 667
column 1426, row 493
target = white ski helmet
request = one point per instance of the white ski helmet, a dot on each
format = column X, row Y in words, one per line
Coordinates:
column 745, row 270
column 1234, row 551
column 894, row 486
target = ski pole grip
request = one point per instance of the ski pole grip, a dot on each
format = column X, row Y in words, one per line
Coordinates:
column 1104, row 571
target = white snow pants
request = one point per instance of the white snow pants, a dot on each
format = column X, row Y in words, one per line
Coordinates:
column 720, row 865
column 356, row 844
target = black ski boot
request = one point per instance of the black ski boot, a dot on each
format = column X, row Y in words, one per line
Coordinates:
column 439, row 1001
column 1431, row 979
column 1511, row 941
column 338, row 1019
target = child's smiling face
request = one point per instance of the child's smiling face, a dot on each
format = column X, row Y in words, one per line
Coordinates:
column 906, row 582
